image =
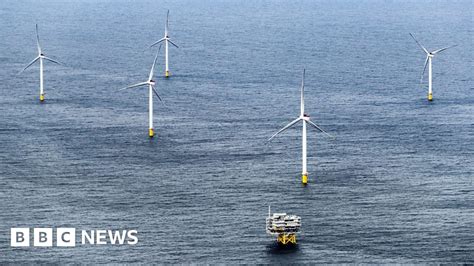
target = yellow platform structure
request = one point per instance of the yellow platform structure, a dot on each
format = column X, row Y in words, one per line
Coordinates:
column 286, row 239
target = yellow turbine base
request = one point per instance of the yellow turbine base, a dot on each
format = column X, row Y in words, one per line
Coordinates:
column 430, row 97
column 286, row 239
column 304, row 179
column 167, row 74
column 41, row 97
column 151, row 133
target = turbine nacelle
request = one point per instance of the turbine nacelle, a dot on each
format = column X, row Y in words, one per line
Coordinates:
column 305, row 117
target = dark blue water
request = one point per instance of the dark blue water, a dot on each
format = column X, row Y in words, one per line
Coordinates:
column 396, row 186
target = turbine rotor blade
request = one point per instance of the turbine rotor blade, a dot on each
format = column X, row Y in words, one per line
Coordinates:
column 285, row 128
column 302, row 80
column 173, row 43
column 29, row 64
column 167, row 21
column 37, row 40
column 156, row 93
column 54, row 61
column 157, row 42
column 319, row 128
column 134, row 85
column 150, row 77
column 424, row 68
column 442, row 49
column 421, row 46
column 302, row 92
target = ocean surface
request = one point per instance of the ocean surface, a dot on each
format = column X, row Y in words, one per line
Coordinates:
column 395, row 186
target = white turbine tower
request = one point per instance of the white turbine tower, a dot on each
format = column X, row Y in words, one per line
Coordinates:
column 167, row 40
column 429, row 56
column 40, row 57
column 306, row 119
column 151, row 89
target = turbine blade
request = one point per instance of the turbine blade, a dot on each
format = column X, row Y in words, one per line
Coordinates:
column 442, row 49
column 157, row 42
column 150, row 77
column 167, row 22
column 38, row 40
column 134, row 85
column 424, row 68
column 54, row 61
column 285, row 128
column 29, row 64
column 173, row 43
column 421, row 46
column 319, row 128
column 302, row 92
column 156, row 93
column 302, row 80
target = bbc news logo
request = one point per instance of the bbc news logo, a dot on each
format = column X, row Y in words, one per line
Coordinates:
column 66, row 237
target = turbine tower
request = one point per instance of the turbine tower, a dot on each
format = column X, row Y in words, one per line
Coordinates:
column 306, row 119
column 151, row 89
column 41, row 56
column 429, row 56
column 167, row 40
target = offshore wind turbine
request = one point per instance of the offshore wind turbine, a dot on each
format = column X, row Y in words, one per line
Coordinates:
column 305, row 118
column 41, row 56
column 151, row 89
column 167, row 40
column 429, row 56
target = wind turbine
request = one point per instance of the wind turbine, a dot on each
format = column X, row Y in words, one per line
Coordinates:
column 167, row 40
column 40, row 57
column 429, row 56
column 151, row 89
column 306, row 119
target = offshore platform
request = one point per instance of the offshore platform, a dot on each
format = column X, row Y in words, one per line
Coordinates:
column 284, row 226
